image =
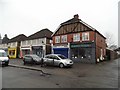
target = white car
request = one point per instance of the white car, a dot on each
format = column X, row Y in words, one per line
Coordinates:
column 57, row 60
column 4, row 60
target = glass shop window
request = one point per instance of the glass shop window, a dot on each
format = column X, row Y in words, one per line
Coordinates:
column 75, row 53
column 12, row 52
column 85, row 53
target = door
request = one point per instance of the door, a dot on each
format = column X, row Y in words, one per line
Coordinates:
column 49, row 60
column 56, row 61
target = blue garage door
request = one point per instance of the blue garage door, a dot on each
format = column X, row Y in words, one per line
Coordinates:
column 63, row 51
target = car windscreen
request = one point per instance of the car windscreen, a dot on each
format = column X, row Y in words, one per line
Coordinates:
column 35, row 57
column 3, row 54
column 62, row 57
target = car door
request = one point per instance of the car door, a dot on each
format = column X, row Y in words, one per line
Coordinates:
column 56, row 61
column 49, row 60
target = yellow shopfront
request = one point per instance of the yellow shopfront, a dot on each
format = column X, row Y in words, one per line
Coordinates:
column 12, row 52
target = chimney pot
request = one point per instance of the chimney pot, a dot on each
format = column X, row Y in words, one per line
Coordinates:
column 76, row 16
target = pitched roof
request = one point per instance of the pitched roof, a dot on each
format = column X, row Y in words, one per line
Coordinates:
column 73, row 20
column 41, row 34
column 18, row 38
column 76, row 19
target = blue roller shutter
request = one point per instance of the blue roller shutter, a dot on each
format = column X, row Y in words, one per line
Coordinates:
column 63, row 51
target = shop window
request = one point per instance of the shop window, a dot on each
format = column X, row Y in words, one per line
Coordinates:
column 81, row 53
column 76, row 37
column 12, row 52
column 64, row 38
column 57, row 39
column 85, row 36
column 74, row 53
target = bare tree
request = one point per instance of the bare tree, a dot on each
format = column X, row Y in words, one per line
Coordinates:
column 109, row 39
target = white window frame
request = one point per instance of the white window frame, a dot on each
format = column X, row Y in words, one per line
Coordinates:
column 76, row 37
column 57, row 39
column 64, row 38
column 85, row 36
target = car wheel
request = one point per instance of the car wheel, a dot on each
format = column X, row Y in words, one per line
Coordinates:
column 61, row 65
column 6, row 64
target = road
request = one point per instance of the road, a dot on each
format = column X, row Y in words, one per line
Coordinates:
column 103, row 75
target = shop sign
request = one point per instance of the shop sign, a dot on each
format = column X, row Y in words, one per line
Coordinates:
column 81, row 45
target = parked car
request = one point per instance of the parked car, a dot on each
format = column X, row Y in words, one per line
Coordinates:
column 31, row 59
column 57, row 60
column 4, row 60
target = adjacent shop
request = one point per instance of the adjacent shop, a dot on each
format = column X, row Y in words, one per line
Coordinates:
column 38, row 50
column 12, row 52
column 83, row 52
column 24, row 51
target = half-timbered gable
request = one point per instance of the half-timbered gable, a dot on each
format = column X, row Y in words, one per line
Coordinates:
column 73, row 25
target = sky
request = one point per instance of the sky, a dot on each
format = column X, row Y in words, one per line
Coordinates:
column 30, row 16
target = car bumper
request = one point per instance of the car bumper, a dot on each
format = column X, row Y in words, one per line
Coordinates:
column 4, row 62
column 68, row 65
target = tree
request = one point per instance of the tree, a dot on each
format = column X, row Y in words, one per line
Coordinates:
column 110, row 40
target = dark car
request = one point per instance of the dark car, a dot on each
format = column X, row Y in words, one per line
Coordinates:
column 31, row 59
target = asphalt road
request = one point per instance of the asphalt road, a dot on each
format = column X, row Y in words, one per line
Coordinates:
column 103, row 75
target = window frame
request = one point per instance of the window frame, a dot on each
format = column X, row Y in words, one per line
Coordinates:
column 64, row 38
column 85, row 36
column 76, row 37
column 57, row 39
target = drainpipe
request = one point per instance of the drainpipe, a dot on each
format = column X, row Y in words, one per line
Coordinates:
column 95, row 47
column 68, row 50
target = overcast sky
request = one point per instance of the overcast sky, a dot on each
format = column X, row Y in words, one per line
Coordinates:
column 29, row 16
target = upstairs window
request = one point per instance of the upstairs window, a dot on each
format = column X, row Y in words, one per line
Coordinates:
column 85, row 36
column 64, row 38
column 57, row 39
column 76, row 37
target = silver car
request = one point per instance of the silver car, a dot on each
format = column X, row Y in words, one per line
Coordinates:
column 57, row 60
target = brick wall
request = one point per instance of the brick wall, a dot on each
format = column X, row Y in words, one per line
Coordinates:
column 100, row 44
column 70, row 37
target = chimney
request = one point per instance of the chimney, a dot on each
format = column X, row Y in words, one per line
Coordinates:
column 76, row 16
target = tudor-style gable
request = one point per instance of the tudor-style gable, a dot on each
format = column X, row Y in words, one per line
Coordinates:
column 73, row 25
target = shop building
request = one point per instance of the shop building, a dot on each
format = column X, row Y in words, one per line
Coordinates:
column 14, row 46
column 79, row 41
column 37, row 43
